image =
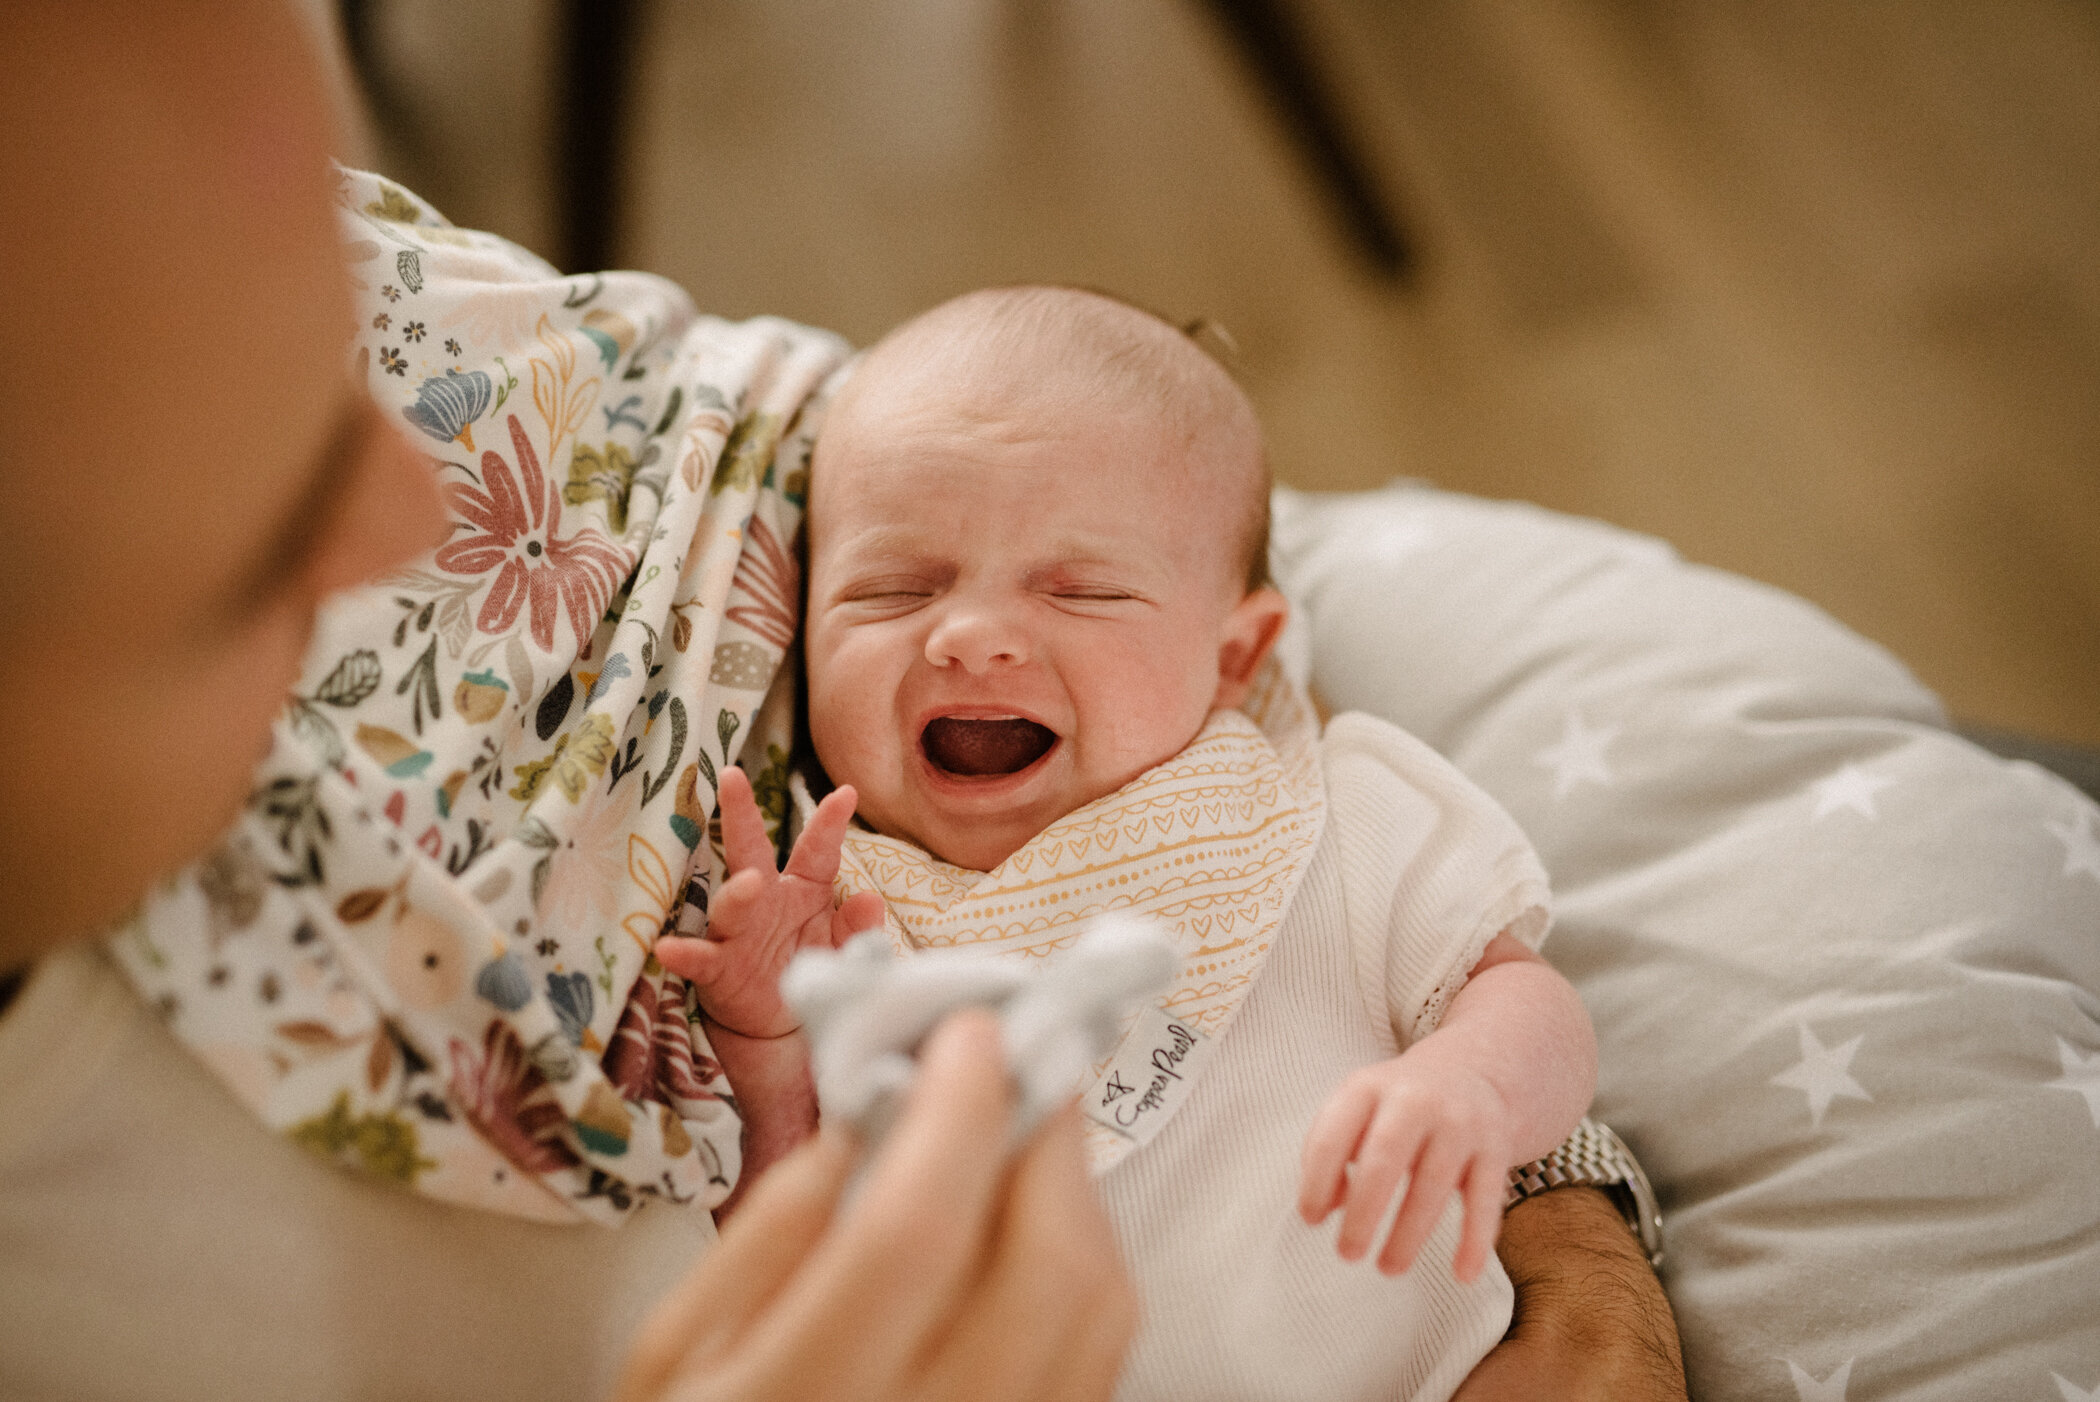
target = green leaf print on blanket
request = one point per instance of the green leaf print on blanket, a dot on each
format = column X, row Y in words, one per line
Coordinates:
column 578, row 757
column 747, row 454
column 601, row 474
column 383, row 1144
column 394, row 207
column 769, row 788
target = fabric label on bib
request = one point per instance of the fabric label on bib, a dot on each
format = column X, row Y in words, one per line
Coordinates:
column 1146, row 1080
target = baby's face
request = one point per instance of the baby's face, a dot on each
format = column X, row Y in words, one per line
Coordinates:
column 1013, row 613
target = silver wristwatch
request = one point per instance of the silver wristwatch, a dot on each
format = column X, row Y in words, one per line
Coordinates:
column 1594, row 1157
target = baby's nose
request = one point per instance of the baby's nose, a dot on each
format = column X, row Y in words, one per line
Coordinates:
column 977, row 639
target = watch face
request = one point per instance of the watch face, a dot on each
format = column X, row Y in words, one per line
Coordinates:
column 1594, row 1157
column 1645, row 1216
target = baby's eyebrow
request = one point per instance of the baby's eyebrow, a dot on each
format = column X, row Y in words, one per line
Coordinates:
column 906, row 547
column 1055, row 566
column 1081, row 550
column 880, row 551
column 879, row 540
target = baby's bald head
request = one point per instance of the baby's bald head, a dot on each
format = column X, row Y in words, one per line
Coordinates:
column 1036, row 549
column 1062, row 351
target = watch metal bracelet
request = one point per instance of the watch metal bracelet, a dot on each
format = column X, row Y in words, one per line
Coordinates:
column 1594, row 1157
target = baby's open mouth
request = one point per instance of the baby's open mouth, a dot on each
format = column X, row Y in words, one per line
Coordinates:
column 978, row 747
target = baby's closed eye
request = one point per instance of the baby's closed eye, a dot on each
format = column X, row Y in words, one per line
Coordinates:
column 891, row 592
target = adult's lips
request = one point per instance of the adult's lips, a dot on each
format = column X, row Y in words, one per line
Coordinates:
column 978, row 746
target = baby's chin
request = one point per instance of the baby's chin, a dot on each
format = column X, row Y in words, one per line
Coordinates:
column 974, row 840
column 972, row 843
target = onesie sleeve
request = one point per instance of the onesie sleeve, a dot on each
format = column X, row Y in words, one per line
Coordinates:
column 1432, row 870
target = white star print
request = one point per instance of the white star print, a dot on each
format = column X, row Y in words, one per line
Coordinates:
column 1823, row 1074
column 2081, row 848
column 2074, row 1393
column 1577, row 756
column 1830, row 1389
column 2081, row 1076
column 1851, row 787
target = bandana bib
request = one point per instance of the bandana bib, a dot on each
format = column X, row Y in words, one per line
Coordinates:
column 1210, row 844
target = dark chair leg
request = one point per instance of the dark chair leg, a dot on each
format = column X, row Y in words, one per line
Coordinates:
column 1269, row 40
column 390, row 108
column 595, row 65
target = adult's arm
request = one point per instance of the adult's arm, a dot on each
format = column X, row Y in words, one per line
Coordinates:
column 1592, row 1323
column 948, row 1274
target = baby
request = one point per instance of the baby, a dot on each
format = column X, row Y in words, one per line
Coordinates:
column 1037, row 602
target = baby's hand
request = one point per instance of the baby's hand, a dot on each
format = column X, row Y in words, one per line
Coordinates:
column 1442, row 1126
column 761, row 918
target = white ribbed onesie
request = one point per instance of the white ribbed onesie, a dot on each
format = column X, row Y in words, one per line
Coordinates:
column 1416, row 871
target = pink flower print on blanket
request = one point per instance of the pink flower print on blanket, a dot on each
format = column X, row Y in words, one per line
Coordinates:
column 770, row 578
column 508, row 1100
column 652, row 1056
column 518, row 517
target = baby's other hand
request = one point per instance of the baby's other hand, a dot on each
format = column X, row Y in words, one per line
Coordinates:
column 762, row 918
column 1442, row 1126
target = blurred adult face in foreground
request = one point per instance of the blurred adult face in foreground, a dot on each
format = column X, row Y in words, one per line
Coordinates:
column 185, row 470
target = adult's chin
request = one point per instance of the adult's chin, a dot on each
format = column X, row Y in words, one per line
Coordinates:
column 87, row 829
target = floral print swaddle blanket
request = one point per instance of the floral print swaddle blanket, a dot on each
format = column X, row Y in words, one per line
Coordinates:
column 423, row 950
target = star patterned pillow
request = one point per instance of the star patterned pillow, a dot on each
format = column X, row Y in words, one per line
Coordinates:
column 1845, row 966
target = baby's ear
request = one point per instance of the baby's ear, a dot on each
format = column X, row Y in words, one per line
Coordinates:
column 1251, row 630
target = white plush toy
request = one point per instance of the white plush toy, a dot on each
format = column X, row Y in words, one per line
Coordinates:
column 865, row 1011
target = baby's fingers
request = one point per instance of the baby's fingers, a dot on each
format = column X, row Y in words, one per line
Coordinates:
column 1329, row 1145
column 1429, row 1190
column 1387, row 1155
column 697, row 961
column 816, row 854
column 1484, row 1190
column 739, row 907
column 863, row 910
column 744, row 843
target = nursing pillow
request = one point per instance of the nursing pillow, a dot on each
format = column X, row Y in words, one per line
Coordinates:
column 1844, row 965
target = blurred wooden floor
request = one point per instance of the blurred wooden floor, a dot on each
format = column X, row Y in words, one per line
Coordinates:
column 1811, row 289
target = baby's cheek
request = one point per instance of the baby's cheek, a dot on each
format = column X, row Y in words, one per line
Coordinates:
column 853, row 678
column 1164, row 690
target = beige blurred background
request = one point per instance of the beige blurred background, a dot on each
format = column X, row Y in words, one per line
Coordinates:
column 1810, row 289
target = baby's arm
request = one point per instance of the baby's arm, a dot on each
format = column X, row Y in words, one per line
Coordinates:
column 760, row 919
column 1501, row 1081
